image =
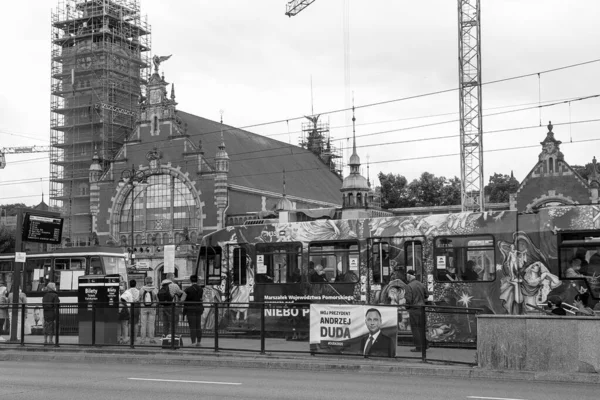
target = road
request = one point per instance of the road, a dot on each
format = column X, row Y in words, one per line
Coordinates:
column 65, row 381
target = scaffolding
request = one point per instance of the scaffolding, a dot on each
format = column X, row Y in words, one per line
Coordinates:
column 100, row 61
column 316, row 138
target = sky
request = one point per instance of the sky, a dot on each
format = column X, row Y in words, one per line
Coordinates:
column 254, row 63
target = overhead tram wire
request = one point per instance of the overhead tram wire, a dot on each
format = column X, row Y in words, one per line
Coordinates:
column 420, row 157
column 382, row 102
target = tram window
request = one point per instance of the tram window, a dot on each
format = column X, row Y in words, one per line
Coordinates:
column 209, row 265
column 579, row 258
column 239, row 266
column 391, row 257
column 465, row 258
column 67, row 272
column 278, row 263
column 333, row 262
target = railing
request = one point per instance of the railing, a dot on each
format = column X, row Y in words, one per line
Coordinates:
column 235, row 327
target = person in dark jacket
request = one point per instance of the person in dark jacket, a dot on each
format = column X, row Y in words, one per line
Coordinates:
column 193, row 309
column 416, row 295
column 50, row 304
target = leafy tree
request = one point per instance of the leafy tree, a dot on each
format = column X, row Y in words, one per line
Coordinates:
column 10, row 209
column 430, row 190
column 394, row 192
column 500, row 187
column 7, row 239
column 582, row 171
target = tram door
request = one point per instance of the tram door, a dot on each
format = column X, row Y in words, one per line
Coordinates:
column 238, row 273
column 391, row 258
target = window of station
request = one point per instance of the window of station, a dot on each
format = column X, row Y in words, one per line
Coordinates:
column 209, row 265
column 579, row 258
column 35, row 274
column 278, row 262
column 6, row 271
column 464, row 258
column 390, row 258
column 240, row 263
column 67, row 272
column 333, row 262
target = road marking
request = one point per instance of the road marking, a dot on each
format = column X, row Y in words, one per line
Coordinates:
column 491, row 398
column 182, row 381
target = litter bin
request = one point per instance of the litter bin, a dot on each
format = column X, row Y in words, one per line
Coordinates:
column 98, row 294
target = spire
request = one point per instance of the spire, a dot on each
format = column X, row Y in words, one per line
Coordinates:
column 173, row 91
column 354, row 158
column 368, row 173
column 222, row 146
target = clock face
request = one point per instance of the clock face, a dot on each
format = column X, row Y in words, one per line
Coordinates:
column 154, row 97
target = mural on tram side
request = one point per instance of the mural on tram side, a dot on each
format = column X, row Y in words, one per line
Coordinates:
column 518, row 267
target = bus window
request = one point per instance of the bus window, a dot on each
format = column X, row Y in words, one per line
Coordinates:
column 67, row 272
column 239, row 266
column 209, row 265
column 35, row 273
column 115, row 266
column 95, row 266
column 464, row 258
column 579, row 258
column 278, row 262
column 333, row 262
column 413, row 253
column 6, row 270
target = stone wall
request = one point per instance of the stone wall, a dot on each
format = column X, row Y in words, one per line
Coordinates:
column 538, row 343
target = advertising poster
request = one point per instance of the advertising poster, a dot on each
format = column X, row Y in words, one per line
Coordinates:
column 353, row 329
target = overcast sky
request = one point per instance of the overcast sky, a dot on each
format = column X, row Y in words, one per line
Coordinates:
column 250, row 60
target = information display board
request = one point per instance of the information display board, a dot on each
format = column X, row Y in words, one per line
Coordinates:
column 42, row 228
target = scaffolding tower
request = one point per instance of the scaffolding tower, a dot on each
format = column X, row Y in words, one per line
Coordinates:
column 316, row 138
column 100, row 61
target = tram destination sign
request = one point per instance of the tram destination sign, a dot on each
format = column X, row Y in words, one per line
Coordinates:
column 42, row 228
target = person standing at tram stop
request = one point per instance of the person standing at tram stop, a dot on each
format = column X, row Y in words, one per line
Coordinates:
column 148, row 303
column 129, row 299
column 50, row 303
column 415, row 296
column 3, row 310
column 175, row 295
column 193, row 309
column 22, row 300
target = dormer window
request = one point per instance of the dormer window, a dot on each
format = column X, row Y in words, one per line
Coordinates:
column 550, row 165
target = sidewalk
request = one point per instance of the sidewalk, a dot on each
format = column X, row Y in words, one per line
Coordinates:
column 279, row 354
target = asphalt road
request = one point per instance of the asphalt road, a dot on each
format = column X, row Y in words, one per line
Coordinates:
column 65, row 381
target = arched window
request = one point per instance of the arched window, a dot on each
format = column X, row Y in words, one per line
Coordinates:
column 551, row 165
column 359, row 199
column 162, row 205
column 155, row 124
column 350, row 199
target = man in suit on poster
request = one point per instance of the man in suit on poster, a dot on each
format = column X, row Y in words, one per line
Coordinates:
column 375, row 343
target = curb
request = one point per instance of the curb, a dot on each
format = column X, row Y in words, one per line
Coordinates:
column 270, row 361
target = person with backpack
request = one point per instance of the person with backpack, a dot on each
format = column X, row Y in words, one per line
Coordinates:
column 129, row 300
column 193, row 309
column 169, row 293
column 148, row 303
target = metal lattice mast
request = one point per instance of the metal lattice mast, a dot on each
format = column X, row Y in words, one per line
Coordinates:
column 471, row 146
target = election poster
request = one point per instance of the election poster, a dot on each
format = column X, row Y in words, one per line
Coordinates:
column 353, row 329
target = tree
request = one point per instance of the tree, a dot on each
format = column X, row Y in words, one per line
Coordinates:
column 430, row 190
column 7, row 239
column 500, row 188
column 394, row 192
column 10, row 210
column 582, row 171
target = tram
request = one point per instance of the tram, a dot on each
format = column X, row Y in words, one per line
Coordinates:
column 498, row 261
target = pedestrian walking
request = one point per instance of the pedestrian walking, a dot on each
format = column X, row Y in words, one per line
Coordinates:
column 3, row 310
column 193, row 310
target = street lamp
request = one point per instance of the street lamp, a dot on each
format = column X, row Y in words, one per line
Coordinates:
column 132, row 178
